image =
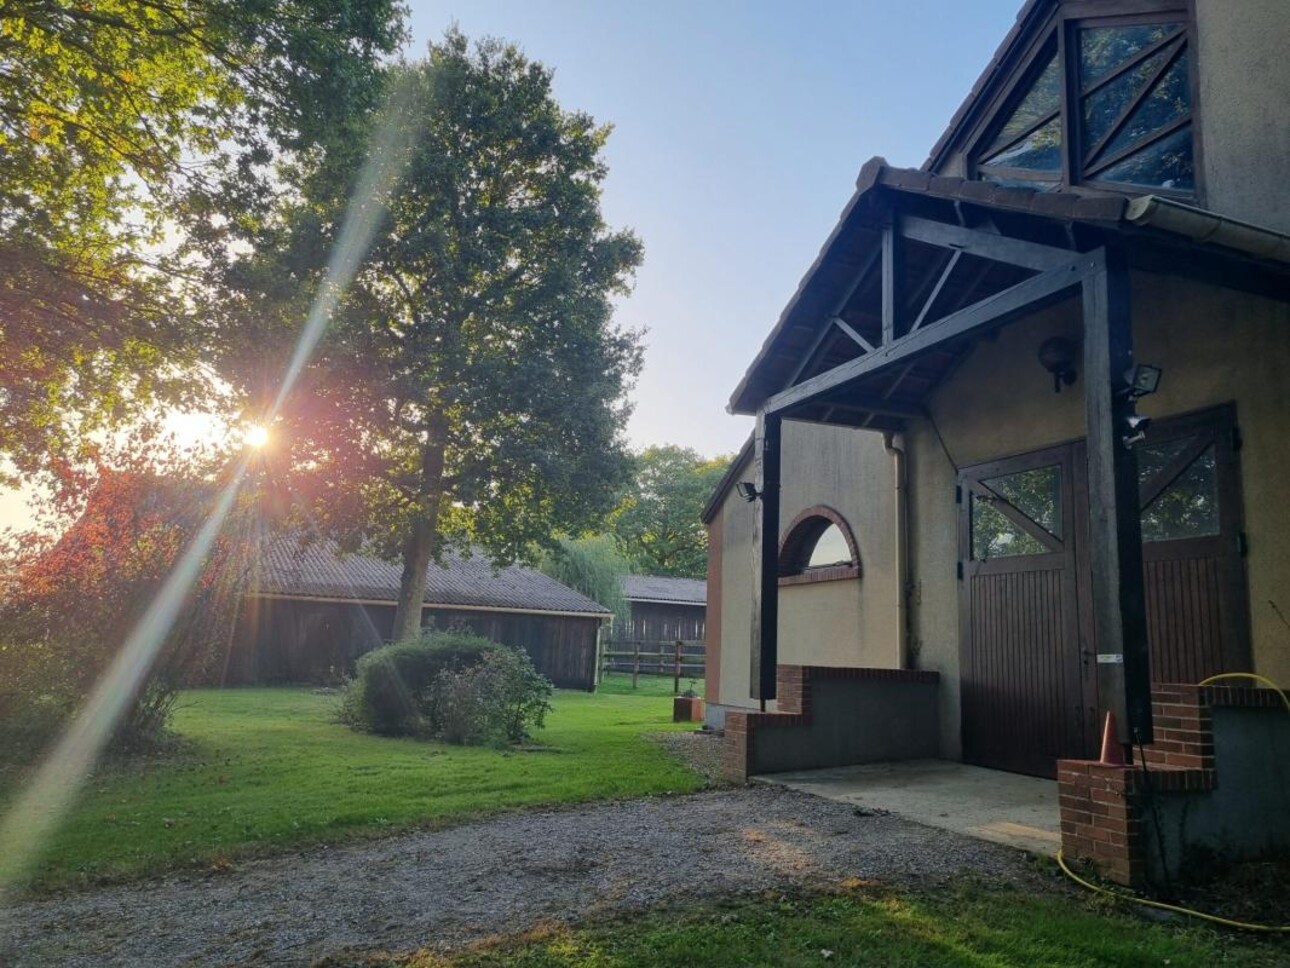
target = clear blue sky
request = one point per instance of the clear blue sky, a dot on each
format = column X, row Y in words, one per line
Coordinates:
column 739, row 129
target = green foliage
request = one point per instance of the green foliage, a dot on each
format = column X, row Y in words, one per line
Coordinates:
column 471, row 390
column 72, row 604
column 124, row 125
column 497, row 701
column 265, row 770
column 594, row 566
column 658, row 525
column 391, row 692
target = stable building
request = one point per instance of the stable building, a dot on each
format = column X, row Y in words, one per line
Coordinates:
column 1019, row 457
column 310, row 611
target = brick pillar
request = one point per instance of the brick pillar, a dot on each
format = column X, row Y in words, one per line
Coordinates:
column 735, row 746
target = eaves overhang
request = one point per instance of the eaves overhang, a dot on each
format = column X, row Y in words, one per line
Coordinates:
column 1163, row 235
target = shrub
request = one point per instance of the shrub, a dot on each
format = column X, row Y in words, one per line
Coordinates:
column 500, row 700
column 454, row 686
column 390, row 691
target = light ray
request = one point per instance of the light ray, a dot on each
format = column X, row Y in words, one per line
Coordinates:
column 44, row 802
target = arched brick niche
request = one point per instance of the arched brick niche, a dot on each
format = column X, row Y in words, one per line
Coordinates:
column 801, row 539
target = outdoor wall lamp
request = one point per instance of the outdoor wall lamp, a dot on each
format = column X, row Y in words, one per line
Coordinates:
column 748, row 491
column 1143, row 379
column 1057, row 355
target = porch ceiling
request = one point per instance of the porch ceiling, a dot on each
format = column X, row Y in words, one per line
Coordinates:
column 914, row 254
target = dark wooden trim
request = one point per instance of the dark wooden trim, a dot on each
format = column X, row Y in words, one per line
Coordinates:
column 936, row 292
column 995, row 310
column 984, row 245
column 1148, row 491
column 855, row 337
column 1035, row 126
column 983, row 491
column 1145, row 54
column 764, row 651
column 1134, row 102
column 891, row 283
column 1115, row 530
column 1128, row 151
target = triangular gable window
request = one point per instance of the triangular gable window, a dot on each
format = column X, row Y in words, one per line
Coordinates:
column 1128, row 89
column 1135, row 106
column 1030, row 140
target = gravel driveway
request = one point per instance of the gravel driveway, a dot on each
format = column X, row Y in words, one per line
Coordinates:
column 448, row 887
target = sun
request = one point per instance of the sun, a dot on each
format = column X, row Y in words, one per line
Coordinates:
column 255, row 436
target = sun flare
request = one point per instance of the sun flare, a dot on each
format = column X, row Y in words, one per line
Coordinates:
column 256, row 436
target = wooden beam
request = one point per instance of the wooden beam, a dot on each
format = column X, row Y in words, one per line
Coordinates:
column 891, row 283
column 984, row 245
column 1115, row 529
column 841, row 324
column 936, row 292
column 875, row 405
column 1025, row 297
column 765, row 605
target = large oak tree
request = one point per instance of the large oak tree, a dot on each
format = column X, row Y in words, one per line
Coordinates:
column 471, row 388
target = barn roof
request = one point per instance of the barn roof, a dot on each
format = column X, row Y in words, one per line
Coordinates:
column 291, row 568
column 656, row 588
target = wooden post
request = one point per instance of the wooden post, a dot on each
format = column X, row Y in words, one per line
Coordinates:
column 1115, row 529
column 765, row 617
column 676, row 677
column 636, row 662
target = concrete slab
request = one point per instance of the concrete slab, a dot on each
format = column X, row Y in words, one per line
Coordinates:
column 1020, row 811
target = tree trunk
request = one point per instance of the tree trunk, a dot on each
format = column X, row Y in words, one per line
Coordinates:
column 422, row 538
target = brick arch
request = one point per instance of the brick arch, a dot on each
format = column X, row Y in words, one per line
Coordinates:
column 799, row 541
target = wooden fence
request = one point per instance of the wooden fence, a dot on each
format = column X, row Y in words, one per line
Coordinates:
column 678, row 659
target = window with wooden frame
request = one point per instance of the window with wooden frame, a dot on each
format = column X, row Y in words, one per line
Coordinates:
column 818, row 546
column 1104, row 102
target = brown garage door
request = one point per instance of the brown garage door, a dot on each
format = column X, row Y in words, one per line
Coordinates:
column 1022, row 691
column 1028, row 692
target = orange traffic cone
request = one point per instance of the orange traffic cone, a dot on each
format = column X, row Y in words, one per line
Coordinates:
column 1112, row 751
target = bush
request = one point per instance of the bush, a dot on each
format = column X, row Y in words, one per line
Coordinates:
column 500, row 700
column 390, row 691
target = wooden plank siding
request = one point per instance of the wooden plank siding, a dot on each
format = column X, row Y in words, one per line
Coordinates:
column 301, row 641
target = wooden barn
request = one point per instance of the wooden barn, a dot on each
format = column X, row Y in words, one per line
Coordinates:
column 665, row 609
column 311, row 612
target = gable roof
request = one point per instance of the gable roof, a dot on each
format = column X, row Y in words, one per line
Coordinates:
column 290, row 568
column 1148, row 218
column 1033, row 15
column 656, row 588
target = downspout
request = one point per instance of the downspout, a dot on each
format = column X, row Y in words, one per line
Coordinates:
column 898, row 459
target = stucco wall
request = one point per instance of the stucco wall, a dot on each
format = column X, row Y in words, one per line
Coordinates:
column 1244, row 80
column 851, row 622
column 1215, row 346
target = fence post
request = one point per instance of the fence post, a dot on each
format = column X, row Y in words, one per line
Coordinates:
column 676, row 677
column 636, row 663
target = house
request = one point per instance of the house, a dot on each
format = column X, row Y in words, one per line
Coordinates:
column 1019, row 457
column 310, row 611
column 664, row 609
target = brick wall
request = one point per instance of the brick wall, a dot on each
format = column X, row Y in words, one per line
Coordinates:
column 1105, row 815
column 796, row 687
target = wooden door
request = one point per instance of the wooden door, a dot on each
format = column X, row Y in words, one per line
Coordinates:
column 1192, row 547
column 1024, row 687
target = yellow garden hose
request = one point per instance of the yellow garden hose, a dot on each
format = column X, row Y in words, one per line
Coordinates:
column 1227, row 922
column 1119, row 895
column 1249, row 675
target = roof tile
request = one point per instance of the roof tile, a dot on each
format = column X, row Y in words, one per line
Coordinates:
column 294, row 567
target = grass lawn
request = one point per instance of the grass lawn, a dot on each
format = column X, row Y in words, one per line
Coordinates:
column 972, row 925
column 267, row 769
